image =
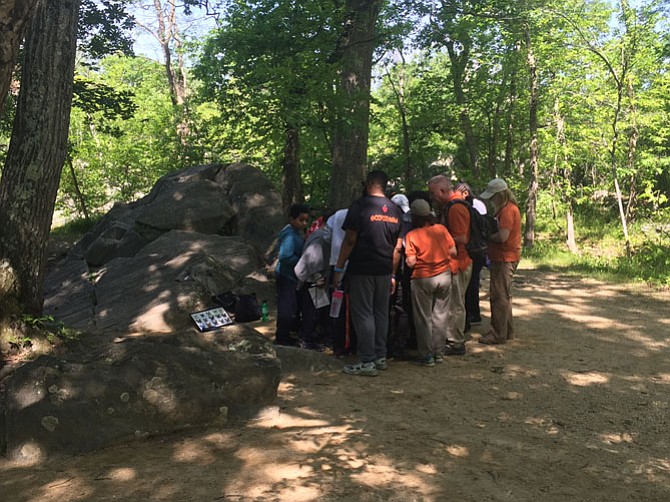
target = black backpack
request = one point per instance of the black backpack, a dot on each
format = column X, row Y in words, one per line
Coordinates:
column 245, row 308
column 482, row 227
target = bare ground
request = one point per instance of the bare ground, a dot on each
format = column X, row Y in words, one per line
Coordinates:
column 575, row 409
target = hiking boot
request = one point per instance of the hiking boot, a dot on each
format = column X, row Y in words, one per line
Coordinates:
column 425, row 361
column 454, row 349
column 362, row 369
column 381, row 364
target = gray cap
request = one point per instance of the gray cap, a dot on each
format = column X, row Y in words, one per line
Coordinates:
column 494, row 186
column 420, row 207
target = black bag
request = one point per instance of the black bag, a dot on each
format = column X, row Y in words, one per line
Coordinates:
column 245, row 307
column 482, row 227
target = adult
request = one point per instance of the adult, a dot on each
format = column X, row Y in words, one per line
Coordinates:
column 343, row 337
column 456, row 217
column 400, row 323
column 504, row 253
column 291, row 240
column 312, row 272
column 372, row 245
column 473, row 314
column 429, row 248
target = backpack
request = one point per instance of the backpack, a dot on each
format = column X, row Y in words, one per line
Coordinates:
column 244, row 307
column 482, row 227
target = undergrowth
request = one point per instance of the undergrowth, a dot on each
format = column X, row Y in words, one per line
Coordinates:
column 601, row 247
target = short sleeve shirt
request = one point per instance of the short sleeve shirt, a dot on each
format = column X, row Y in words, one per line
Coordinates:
column 430, row 245
column 458, row 223
column 509, row 218
column 377, row 222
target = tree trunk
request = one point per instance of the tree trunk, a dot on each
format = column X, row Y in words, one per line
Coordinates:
column 38, row 147
column 14, row 17
column 529, row 234
column 77, row 190
column 509, row 138
column 458, row 66
column 291, row 183
column 399, row 93
column 350, row 135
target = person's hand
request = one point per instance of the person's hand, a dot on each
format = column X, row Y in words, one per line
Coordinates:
column 320, row 281
column 393, row 284
column 337, row 279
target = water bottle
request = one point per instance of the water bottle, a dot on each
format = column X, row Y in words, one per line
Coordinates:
column 264, row 311
column 336, row 303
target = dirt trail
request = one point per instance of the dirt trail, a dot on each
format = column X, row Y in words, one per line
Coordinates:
column 575, row 409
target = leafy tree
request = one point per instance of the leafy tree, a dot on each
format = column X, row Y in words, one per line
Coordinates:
column 37, row 151
column 14, row 17
column 267, row 67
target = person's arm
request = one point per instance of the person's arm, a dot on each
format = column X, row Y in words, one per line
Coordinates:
column 461, row 223
column 350, row 238
column 501, row 236
column 411, row 261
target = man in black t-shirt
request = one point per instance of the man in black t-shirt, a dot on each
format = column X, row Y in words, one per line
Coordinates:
column 372, row 246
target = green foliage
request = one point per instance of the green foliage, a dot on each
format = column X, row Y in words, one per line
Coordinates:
column 601, row 254
column 122, row 135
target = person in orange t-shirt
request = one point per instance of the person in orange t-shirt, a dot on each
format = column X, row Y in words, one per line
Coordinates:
column 505, row 254
column 456, row 217
column 428, row 250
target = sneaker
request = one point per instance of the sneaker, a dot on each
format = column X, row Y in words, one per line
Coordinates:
column 425, row 361
column 454, row 349
column 381, row 364
column 438, row 359
column 363, row 369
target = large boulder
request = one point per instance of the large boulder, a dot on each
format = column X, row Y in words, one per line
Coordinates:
column 140, row 386
column 134, row 279
column 257, row 205
column 199, row 232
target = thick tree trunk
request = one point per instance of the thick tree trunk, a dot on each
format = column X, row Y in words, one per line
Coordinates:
column 291, row 182
column 350, row 136
column 38, row 147
column 14, row 17
column 529, row 233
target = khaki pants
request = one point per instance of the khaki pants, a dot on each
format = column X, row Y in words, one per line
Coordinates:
column 430, row 300
column 502, row 321
column 456, row 324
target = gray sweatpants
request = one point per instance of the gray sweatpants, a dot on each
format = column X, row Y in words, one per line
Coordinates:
column 369, row 295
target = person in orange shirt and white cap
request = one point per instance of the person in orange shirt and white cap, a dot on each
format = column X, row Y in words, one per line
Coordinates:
column 505, row 254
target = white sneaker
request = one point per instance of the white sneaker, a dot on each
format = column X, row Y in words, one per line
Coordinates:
column 381, row 364
column 363, row 369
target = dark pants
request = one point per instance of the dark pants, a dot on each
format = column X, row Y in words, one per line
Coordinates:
column 472, row 311
column 314, row 328
column 287, row 308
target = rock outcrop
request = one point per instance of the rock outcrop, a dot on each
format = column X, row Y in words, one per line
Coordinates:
column 130, row 285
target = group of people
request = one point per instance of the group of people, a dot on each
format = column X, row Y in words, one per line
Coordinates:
column 363, row 252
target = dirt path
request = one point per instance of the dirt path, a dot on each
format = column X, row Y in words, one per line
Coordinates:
column 575, row 409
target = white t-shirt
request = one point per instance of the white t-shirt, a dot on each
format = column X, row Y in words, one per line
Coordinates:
column 335, row 223
column 479, row 206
